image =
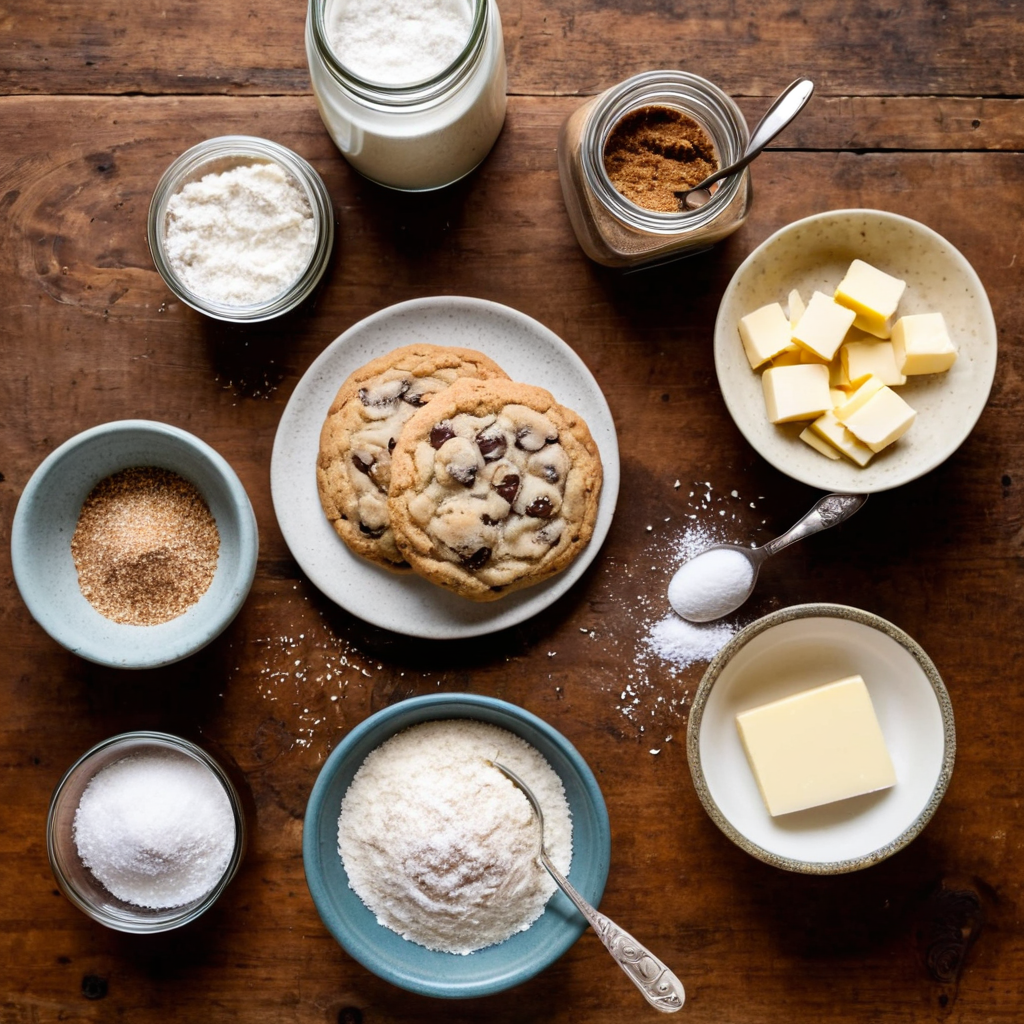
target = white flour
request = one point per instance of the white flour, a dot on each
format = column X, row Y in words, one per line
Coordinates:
column 398, row 42
column 156, row 829
column 441, row 846
column 242, row 236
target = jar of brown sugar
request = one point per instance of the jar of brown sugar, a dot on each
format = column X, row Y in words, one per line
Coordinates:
column 622, row 156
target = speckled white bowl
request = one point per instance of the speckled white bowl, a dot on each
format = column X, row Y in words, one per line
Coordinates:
column 814, row 254
column 787, row 652
column 45, row 522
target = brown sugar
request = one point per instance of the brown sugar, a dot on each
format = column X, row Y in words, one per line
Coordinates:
column 655, row 151
column 145, row 546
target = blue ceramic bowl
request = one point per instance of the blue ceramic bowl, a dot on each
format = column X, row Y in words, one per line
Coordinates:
column 45, row 522
column 414, row 967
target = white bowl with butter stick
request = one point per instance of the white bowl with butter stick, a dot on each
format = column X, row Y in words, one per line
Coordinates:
column 793, row 651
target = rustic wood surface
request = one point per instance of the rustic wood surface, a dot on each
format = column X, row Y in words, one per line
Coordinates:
column 919, row 110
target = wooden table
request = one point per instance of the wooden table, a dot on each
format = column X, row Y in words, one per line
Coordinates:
column 917, row 111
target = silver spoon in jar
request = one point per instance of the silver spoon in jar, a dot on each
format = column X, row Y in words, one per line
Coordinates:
column 719, row 579
column 660, row 987
column 787, row 105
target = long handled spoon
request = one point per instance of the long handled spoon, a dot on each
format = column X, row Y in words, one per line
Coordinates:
column 787, row 105
column 660, row 987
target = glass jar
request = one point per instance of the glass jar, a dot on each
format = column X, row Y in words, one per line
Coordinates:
column 215, row 156
column 79, row 884
column 420, row 136
column 618, row 233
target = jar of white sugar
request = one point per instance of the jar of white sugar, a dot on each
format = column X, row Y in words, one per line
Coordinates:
column 241, row 228
column 411, row 91
column 145, row 831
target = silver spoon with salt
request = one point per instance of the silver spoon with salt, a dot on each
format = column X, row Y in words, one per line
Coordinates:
column 660, row 987
column 719, row 579
column 787, row 105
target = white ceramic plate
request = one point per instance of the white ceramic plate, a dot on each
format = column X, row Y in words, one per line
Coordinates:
column 527, row 351
column 814, row 254
column 796, row 649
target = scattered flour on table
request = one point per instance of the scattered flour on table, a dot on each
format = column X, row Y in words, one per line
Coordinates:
column 441, row 846
column 156, row 829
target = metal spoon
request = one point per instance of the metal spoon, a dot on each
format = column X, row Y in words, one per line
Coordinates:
column 829, row 511
column 788, row 104
column 660, row 987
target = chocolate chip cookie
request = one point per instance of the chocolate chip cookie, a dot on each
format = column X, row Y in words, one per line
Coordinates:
column 494, row 487
column 363, row 425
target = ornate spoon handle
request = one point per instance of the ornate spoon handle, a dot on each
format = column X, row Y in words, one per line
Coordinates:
column 826, row 512
column 660, row 987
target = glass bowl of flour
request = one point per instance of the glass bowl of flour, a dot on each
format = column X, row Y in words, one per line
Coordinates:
column 145, row 831
column 421, row 861
column 241, row 228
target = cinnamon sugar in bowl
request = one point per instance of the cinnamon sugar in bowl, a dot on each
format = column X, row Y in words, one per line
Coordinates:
column 134, row 544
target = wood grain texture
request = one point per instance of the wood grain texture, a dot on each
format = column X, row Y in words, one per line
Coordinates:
column 89, row 333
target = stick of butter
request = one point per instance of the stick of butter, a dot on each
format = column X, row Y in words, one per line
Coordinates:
column 816, row 747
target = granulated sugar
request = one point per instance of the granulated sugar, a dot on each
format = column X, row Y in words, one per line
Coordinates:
column 683, row 643
column 397, row 42
column 711, row 585
column 156, row 829
column 441, row 846
column 242, row 236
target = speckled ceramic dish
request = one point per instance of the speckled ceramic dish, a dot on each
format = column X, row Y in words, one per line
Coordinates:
column 414, row 967
column 795, row 649
column 527, row 351
column 45, row 522
column 814, row 254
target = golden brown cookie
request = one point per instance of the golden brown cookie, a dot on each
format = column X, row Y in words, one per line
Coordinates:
column 494, row 487
column 364, row 422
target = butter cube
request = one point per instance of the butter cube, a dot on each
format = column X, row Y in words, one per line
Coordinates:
column 858, row 397
column 880, row 420
column 823, row 326
column 816, row 747
column 765, row 333
column 796, row 307
column 921, row 344
column 829, row 428
column 819, row 444
column 838, row 396
column 796, row 392
column 837, row 375
column 861, row 359
column 873, row 295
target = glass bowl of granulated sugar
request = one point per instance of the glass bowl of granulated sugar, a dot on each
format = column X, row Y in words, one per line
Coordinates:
column 145, row 832
column 134, row 544
column 439, row 895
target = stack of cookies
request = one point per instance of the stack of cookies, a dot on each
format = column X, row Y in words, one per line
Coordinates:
column 433, row 461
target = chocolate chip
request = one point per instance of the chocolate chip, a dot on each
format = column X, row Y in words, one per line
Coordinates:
column 477, row 560
column 413, row 398
column 391, row 444
column 440, row 433
column 509, row 487
column 360, row 464
column 465, row 475
column 492, row 446
column 540, row 508
column 489, row 520
column 551, row 474
column 374, row 532
column 383, row 400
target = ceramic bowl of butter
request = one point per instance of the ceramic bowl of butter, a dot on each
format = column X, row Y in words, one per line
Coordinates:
column 134, row 544
column 821, row 739
column 814, row 255
column 410, row 964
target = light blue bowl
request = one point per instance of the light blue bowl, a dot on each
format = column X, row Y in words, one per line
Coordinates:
column 45, row 522
column 414, row 967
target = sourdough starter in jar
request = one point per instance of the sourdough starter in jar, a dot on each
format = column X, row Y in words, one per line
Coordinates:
column 413, row 94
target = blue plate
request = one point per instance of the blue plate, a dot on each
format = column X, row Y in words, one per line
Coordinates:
column 414, row 967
